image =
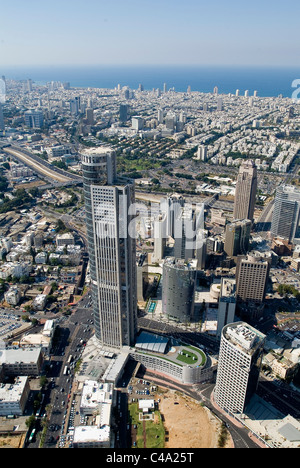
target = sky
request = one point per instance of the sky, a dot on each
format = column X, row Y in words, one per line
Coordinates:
column 150, row 32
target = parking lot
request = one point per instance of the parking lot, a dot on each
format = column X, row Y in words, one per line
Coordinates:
column 140, row 388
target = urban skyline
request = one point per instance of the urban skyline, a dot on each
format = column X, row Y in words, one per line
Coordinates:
column 149, row 228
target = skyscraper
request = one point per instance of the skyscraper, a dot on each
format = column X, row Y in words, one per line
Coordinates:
column 237, row 237
column 245, row 192
column 75, row 105
column 123, row 112
column 240, row 356
column 34, row 118
column 111, row 248
column 179, row 282
column 2, row 126
column 252, row 272
column 89, row 115
column 227, row 304
column 286, row 214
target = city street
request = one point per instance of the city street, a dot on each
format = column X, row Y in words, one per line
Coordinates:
column 73, row 330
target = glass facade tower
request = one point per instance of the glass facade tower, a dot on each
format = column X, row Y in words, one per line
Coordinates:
column 111, row 248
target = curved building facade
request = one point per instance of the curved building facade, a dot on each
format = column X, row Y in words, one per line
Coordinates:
column 239, row 365
column 178, row 288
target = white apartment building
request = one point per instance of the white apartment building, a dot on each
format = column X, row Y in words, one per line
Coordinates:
column 96, row 400
column 12, row 296
column 239, row 365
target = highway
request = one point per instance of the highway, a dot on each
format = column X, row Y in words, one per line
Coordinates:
column 40, row 166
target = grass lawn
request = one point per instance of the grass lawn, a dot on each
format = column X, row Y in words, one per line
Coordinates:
column 189, row 353
column 187, row 357
column 154, row 429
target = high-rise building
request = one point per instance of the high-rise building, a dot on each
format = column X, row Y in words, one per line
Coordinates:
column 185, row 233
column 237, row 236
column 111, row 241
column 220, row 104
column 227, row 304
column 202, row 153
column 123, row 112
column 245, row 192
column 252, row 273
column 34, row 119
column 160, row 116
column 89, row 115
column 2, row 126
column 75, row 105
column 160, row 237
column 239, row 364
column 286, row 214
column 178, row 290
column 171, row 207
column 137, row 123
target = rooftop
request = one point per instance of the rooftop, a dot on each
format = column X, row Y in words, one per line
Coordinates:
column 243, row 335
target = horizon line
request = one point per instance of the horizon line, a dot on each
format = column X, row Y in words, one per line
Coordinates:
column 147, row 65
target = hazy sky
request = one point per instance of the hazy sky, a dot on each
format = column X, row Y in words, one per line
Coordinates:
column 74, row 32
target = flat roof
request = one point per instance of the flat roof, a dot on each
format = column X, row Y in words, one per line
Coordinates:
column 85, row 434
column 290, row 432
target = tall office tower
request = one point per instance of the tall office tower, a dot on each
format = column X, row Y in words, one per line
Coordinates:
column 75, row 105
column 216, row 90
column 245, row 192
column 247, row 93
column 123, row 112
column 240, row 358
column 89, row 115
column 160, row 238
column 220, row 104
column 286, row 214
column 171, row 207
column 170, row 120
column 34, row 119
column 185, row 233
column 237, row 237
column 178, row 288
column 2, row 126
column 227, row 304
column 200, row 249
column 165, row 88
column 111, row 248
column 28, row 85
column 160, row 115
column 237, row 93
column 252, row 272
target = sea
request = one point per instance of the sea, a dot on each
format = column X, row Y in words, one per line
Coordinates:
column 267, row 81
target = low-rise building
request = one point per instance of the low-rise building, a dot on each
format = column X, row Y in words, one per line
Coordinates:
column 20, row 361
column 13, row 397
